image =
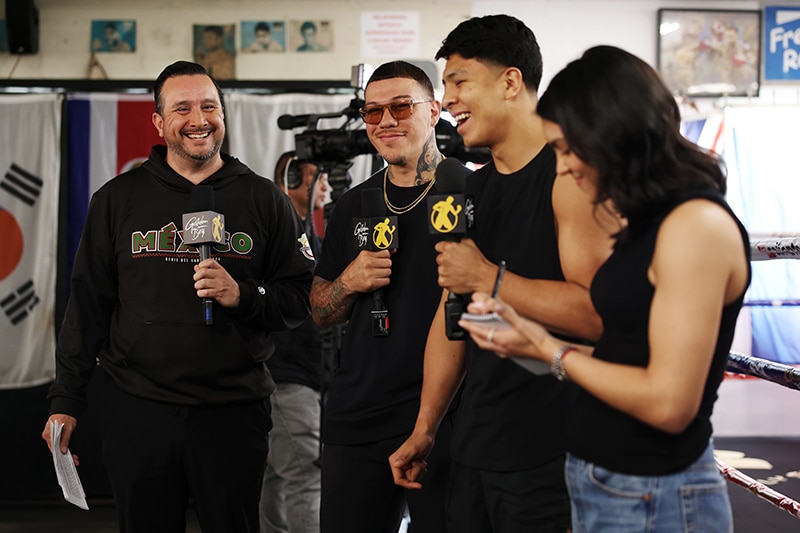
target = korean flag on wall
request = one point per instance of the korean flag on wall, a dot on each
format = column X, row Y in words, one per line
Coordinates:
column 29, row 189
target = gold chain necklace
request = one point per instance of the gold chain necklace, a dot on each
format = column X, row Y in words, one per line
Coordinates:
column 409, row 207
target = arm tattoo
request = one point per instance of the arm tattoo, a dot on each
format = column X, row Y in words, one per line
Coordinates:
column 330, row 302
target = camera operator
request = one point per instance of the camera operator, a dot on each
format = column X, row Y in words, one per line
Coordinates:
column 290, row 492
column 373, row 398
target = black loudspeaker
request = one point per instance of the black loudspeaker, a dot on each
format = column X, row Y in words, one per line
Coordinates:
column 22, row 26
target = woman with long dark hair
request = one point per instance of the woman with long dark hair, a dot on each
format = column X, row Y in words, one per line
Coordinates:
column 640, row 447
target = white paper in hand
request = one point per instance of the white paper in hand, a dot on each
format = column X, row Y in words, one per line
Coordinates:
column 493, row 320
column 66, row 473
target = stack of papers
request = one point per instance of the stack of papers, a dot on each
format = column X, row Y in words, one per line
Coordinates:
column 66, row 472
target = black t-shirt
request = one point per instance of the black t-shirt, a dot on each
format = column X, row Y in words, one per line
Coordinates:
column 374, row 393
column 508, row 418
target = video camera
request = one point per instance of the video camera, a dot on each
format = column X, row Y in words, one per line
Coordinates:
column 332, row 150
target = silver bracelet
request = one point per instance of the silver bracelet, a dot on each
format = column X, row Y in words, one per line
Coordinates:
column 557, row 366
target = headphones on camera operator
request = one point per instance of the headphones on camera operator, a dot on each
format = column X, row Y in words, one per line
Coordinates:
column 288, row 168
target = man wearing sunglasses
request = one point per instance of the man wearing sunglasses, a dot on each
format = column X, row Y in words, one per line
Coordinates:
column 373, row 396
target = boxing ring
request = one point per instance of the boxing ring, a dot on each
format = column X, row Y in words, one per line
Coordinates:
column 761, row 249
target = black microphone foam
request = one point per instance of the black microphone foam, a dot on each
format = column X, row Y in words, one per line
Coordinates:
column 451, row 181
column 202, row 227
column 375, row 229
column 372, row 207
column 448, row 207
column 451, row 176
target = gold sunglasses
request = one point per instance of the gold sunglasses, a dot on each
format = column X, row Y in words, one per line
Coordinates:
column 398, row 110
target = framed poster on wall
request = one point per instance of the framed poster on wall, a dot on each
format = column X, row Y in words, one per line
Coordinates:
column 260, row 36
column 710, row 52
column 310, row 35
column 215, row 49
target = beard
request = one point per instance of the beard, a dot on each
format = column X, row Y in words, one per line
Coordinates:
column 199, row 156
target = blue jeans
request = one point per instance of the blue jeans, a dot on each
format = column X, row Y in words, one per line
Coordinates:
column 290, row 494
column 692, row 500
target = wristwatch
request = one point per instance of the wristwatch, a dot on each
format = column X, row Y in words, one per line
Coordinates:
column 557, row 366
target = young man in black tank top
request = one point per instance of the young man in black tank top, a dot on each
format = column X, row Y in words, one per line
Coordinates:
column 640, row 454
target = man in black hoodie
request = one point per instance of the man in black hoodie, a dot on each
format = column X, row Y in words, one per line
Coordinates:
column 185, row 405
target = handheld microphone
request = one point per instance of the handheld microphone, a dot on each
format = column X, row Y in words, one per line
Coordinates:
column 450, row 213
column 376, row 231
column 203, row 227
column 450, row 210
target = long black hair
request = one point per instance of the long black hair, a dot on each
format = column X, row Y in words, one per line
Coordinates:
column 619, row 117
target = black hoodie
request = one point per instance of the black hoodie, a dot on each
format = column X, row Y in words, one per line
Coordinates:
column 133, row 307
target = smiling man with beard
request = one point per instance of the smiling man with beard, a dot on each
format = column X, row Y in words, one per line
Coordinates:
column 183, row 404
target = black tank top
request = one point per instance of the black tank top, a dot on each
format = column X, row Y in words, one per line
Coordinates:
column 622, row 295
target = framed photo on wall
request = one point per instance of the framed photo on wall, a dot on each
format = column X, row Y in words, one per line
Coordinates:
column 113, row 36
column 310, row 35
column 215, row 49
column 710, row 52
column 259, row 36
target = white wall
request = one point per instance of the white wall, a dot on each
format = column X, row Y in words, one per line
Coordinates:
column 164, row 32
column 164, row 35
column 565, row 28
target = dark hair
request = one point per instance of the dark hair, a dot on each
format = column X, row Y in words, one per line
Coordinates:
column 262, row 26
column 498, row 39
column 180, row 68
column 619, row 117
column 214, row 29
column 403, row 69
column 308, row 25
